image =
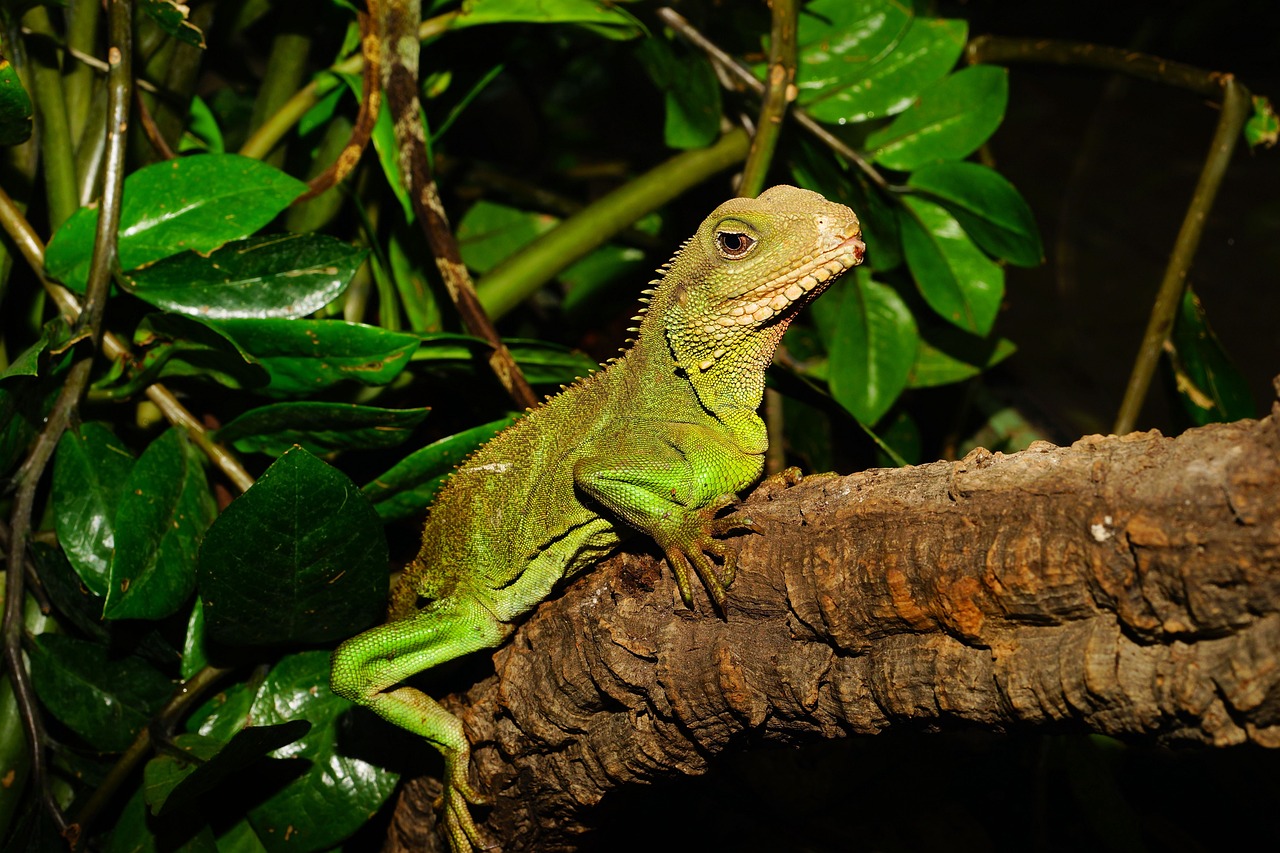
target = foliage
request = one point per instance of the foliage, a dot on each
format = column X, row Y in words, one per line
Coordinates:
column 311, row 336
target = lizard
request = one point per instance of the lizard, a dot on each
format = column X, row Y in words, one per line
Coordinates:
column 660, row 441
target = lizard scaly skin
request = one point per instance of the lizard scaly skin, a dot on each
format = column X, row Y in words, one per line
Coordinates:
column 658, row 441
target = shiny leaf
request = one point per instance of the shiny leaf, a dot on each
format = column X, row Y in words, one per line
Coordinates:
column 339, row 792
column 194, row 203
column 958, row 281
column 103, row 698
column 948, row 355
column 987, row 206
column 872, row 351
column 15, row 106
column 410, row 485
column 177, row 345
column 276, row 275
column 887, row 83
column 605, row 19
column 172, row 18
column 165, row 508
column 319, row 427
column 1212, row 389
column 542, row 362
column 306, row 356
column 171, row 784
column 949, row 122
column 89, row 473
column 298, row 558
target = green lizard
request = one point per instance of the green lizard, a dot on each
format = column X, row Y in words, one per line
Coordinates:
column 658, row 441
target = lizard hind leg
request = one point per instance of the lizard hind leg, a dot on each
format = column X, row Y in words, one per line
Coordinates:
column 368, row 669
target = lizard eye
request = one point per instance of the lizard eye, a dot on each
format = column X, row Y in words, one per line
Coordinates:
column 734, row 244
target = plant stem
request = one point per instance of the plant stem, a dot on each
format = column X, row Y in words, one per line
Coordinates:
column 286, row 67
column 78, row 80
column 778, row 94
column 516, row 278
column 274, row 128
column 749, row 82
column 1235, row 111
column 51, row 111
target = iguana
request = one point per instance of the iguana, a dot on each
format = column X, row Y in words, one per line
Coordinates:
column 658, row 441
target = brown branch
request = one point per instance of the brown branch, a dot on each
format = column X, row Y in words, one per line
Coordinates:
column 400, row 63
column 370, row 104
column 1127, row 586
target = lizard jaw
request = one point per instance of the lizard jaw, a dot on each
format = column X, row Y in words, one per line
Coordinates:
column 796, row 287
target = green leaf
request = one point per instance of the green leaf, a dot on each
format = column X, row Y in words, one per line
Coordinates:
column 171, row 784
column 55, row 338
column 202, row 134
column 271, row 275
column 489, row 233
column 948, row 355
column 177, row 345
column 409, row 486
column 319, row 427
column 1213, row 390
column 135, row 832
column 606, row 19
column 987, row 206
column 949, row 122
column 885, row 84
column 15, row 106
column 172, row 18
column 106, row 700
column 164, row 510
column 89, row 473
column 1263, row 127
column 872, row 351
column 194, row 203
column 18, row 425
column 840, row 40
column 305, row 356
column 298, row 558
column 542, row 362
column 960, row 283
column 338, row 794
column 691, row 90
column 194, row 657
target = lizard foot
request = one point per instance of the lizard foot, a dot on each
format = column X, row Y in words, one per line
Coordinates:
column 455, row 804
column 700, row 544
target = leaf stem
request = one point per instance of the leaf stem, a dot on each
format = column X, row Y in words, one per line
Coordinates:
column 189, row 692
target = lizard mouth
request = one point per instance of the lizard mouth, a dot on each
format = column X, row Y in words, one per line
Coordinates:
column 786, row 294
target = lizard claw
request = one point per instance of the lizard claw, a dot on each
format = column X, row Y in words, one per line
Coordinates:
column 454, row 803
column 701, row 545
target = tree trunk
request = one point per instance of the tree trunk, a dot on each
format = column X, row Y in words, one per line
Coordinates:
column 1126, row 586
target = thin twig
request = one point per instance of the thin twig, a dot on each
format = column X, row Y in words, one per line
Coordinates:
column 778, row 94
column 370, row 104
column 401, row 18
column 187, row 694
column 1235, row 111
column 153, row 134
column 273, row 129
column 1001, row 50
column 28, row 242
column 743, row 75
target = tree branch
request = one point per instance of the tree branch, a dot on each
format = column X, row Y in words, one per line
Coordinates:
column 1128, row 586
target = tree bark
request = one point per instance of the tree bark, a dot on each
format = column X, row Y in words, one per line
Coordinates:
column 1127, row 586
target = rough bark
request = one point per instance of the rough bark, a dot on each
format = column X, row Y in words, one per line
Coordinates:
column 1127, row 586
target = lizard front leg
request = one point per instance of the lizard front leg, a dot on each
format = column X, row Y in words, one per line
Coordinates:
column 672, row 486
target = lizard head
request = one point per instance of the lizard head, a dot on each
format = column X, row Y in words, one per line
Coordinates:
column 753, row 264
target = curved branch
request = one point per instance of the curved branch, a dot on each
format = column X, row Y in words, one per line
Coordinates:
column 1127, row 586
